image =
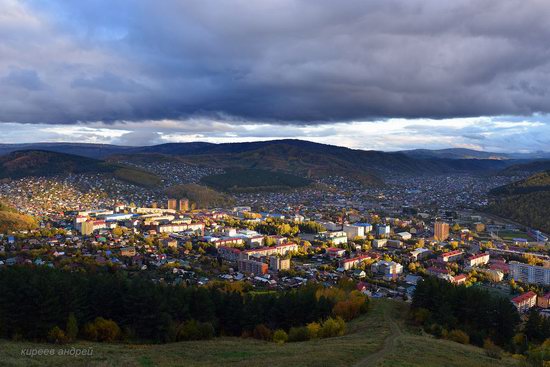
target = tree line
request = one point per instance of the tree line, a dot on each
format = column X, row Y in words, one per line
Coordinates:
column 38, row 303
column 473, row 313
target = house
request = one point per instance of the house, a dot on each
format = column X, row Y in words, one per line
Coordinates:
column 459, row 279
column 362, row 287
column 525, row 301
column 128, row 251
column 359, row 274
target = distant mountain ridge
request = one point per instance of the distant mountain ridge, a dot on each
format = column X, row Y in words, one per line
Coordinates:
column 303, row 158
column 463, row 153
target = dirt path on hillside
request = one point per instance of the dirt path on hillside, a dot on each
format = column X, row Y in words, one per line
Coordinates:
column 390, row 342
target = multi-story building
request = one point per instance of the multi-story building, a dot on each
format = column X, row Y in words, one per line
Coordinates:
column 529, row 273
column 336, row 237
column 267, row 251
column 353, row 231
column 525, row 301
column 334, row 252
column 184, row 205
column 451, row 256
column 229, row 253
column 477, row 260
column 389, row 269
column 277, row 263
column 252, row 266
column 441, row 231
column 348, row 264
column 172, row 204
column 394, row 243
column 420, row 253
column 382, row 230
column 404, row 236
column 379, row 243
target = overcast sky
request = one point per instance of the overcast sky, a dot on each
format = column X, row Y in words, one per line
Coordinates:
column 388, row 75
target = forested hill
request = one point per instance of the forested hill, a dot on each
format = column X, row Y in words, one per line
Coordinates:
column 298, row 157
column 40, row 163
column 526, row 201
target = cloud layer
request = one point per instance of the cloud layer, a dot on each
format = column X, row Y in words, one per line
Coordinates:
column 489, row 134
column 272, row 61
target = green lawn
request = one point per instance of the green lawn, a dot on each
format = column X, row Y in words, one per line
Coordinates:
column 509, row 235
column 377, row 339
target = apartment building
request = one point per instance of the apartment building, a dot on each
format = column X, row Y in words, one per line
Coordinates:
column 530, row 273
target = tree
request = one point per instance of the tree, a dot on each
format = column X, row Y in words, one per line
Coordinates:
column 72, row 327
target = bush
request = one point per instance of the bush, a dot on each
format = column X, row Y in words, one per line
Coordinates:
column 102, row 330
column 262, row 332
column 491, row 349
column 458, row 336
column 280, row 336
column 436, row 330
column 313, row 329
column 193, row 330
column 298, row 334
column 332, row 327
column 57, row 336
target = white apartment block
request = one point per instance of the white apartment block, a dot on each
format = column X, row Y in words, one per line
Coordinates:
column 530, row 273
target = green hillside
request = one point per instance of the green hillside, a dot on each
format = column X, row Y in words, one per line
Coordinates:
column 379, row 338
column 243, row 180
column 526, row 201
column 38, row 163
column 11, row 220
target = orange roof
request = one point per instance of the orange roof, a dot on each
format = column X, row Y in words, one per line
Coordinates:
column 524, row 297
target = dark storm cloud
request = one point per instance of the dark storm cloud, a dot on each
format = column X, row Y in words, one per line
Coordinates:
column 283, row 61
